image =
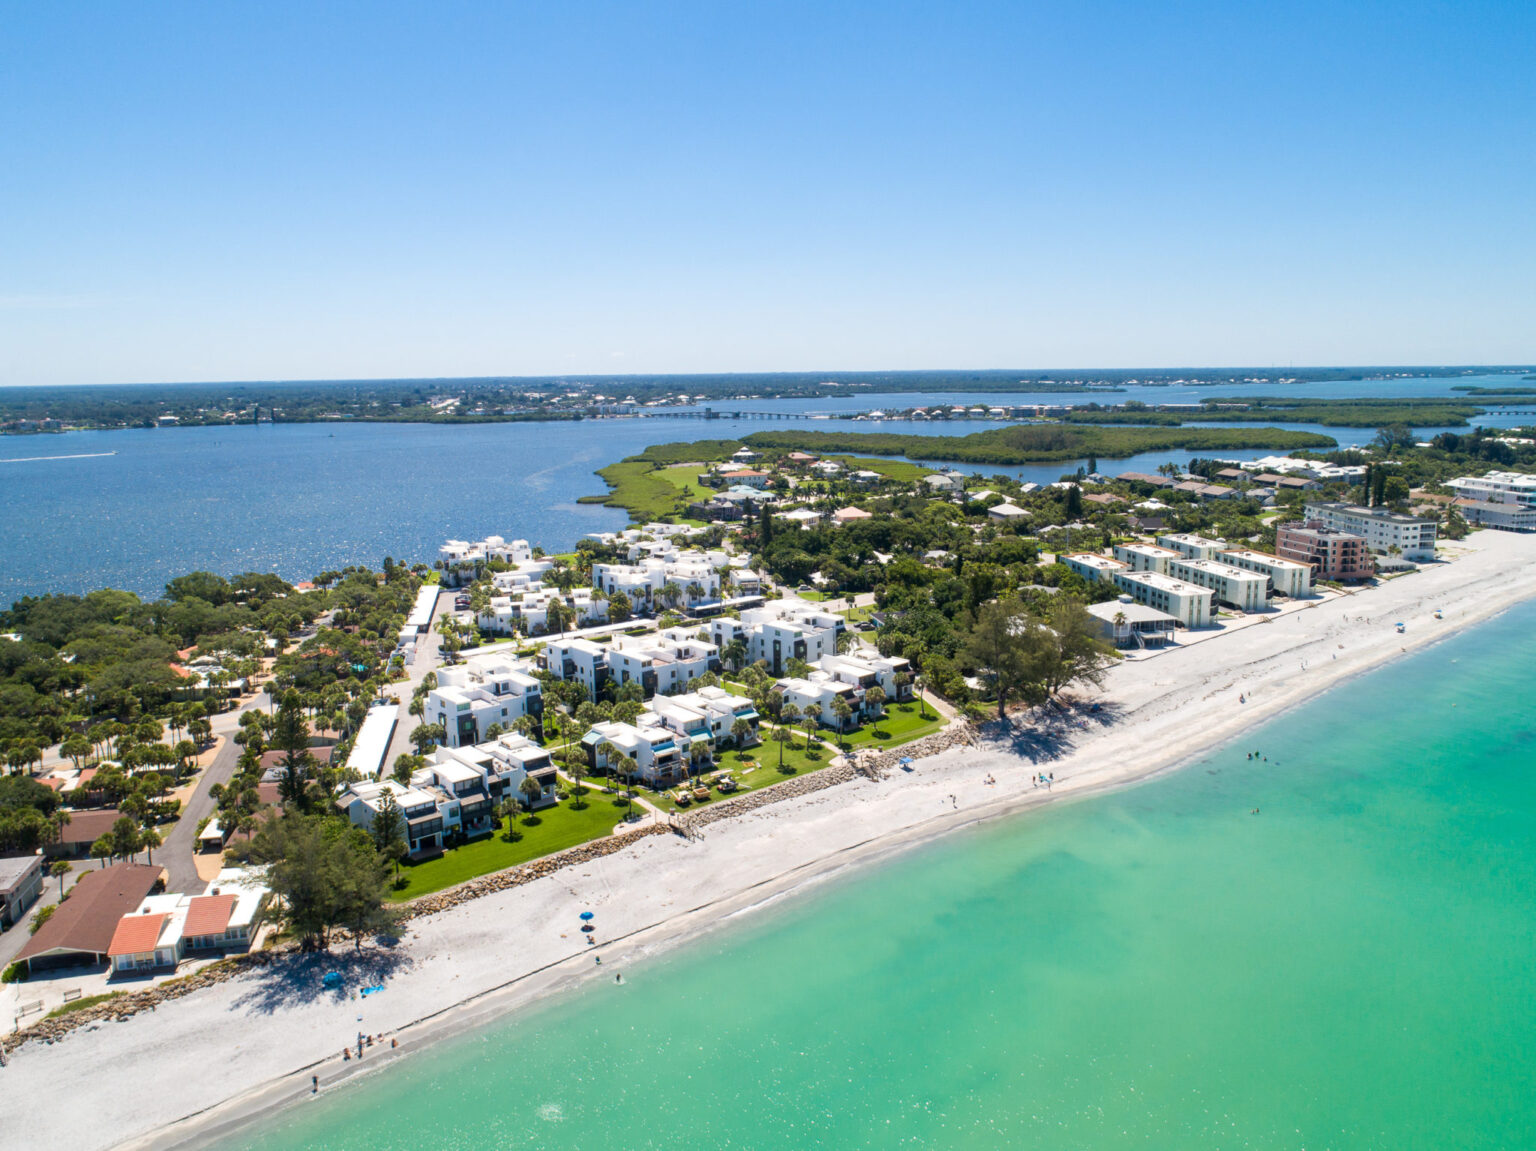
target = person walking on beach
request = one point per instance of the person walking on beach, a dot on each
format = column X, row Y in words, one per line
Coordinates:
column 314, row 1084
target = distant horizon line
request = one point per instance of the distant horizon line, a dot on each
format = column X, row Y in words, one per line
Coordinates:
column 584, row 377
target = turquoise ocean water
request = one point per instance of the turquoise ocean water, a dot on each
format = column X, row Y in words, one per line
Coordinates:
column 1353, row 967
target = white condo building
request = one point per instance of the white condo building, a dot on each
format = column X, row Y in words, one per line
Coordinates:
column 709, row 714
column 426, row 822
column 1146, row 557
column 577, row 659
column 484, row 690
column 1286, row 577
column 864, row 672
column 1382, row 529
column 779, row 631
column 815, row 695
column 1188, row 603
column 661, row 664
column 660, row 754
column 526, row 612
column 1502, row 500
column 1191, row 546
column 1093, row 568
column 502, row 765
column 480, row 551
column 675, row 733
column 1233, row 586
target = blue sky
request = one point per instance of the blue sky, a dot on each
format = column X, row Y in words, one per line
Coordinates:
column 206, row 191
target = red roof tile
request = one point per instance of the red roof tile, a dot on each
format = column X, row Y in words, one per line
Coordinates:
column 209, row 915
column 136, row 934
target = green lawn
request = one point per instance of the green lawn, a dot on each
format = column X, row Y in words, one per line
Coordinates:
column 756, row 767
column 902, row 723
column 559, row 827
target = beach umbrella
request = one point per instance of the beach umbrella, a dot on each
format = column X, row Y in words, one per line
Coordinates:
column 586, row 915
column 904, row 760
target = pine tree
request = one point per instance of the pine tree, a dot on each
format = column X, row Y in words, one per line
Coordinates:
column 291, row 737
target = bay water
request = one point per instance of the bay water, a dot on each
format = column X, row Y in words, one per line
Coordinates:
column 134, row 508
column 1330, row 945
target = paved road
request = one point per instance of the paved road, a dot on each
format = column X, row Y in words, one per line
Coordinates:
column 177, row 851
column 428, row 659
column 176, row 854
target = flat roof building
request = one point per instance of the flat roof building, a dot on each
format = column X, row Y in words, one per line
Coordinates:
column 371, row 746
column 1235, row 587
column 1331, row 554
column 1093, row 568
column 1383, row 530
column 21, row 882
column 1286, row 577
column 1497, row 488
column 1191, row 546
column 1505, row 517
column 1146, row 557
column 1186, row 602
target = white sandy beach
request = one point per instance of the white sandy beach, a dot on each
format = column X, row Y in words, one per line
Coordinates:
column 184, row 1073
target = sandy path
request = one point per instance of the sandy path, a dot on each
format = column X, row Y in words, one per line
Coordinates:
column 218, row 1056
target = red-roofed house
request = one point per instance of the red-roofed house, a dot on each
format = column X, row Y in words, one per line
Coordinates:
column 207, row 921
column 163, row 929
column 748, row 477
column 139, row 943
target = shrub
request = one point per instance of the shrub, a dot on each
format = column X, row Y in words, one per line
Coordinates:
column 15, row 973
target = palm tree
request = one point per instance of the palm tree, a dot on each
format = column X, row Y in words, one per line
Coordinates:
column 59, row 870
column 698, row 756
column 810, row 717
column 741, row 731
column 788, row 714
column 556, row 616
column 627, row 768
column 57, row 822
column 150, row 839
column 875, row 698
column 530, row 790
column 735, row 653
column 606, row 753
column 843, row 711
